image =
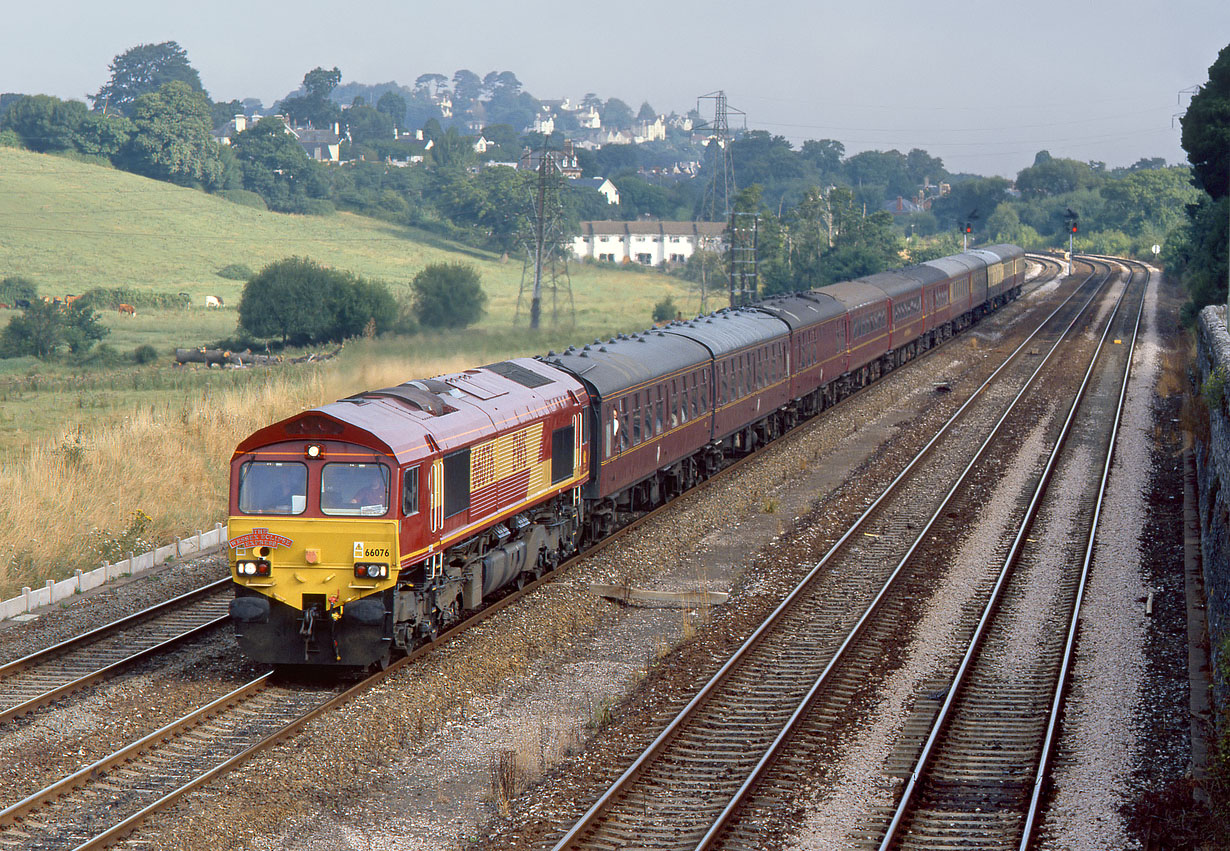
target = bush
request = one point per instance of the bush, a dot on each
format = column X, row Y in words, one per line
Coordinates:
column 665, row 310
column 144, row 354
column 235, row 272
column 110, row 298
column 16, row 287
column 244, row 198
column 44, row 327
column 448, row 295
column 303, row 302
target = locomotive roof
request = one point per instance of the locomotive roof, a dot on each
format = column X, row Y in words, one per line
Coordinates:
column 730, row 330
column 804, row 309
column 854, row 294
column 612, row 366
column 453, row 410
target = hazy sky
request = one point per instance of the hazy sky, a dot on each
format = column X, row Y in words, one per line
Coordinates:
column 981, row 85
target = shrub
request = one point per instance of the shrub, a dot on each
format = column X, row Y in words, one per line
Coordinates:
column 448, row 295
column 110, row 298
column 665, row 310
column 16, row 287
column 144, row 354
column 303, row 302
column 244, row 198
column 235, row 272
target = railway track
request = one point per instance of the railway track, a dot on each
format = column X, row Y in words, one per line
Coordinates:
column 808, row 662
column 39, row 679
column 102, row 802
column 981, row 772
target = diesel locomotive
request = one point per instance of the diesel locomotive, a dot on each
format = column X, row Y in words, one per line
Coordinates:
column 362, row 528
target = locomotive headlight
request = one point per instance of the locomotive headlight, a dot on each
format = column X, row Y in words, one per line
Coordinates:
column 247, row 568
column 314, row 451
column 373, row 571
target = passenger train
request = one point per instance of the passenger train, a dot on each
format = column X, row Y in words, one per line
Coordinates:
column 362, row 528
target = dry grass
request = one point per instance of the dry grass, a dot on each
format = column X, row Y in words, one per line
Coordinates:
column 86, row 495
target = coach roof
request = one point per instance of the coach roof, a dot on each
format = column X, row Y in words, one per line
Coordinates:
column 619, row 363
column 730, row 330
column 804, row 309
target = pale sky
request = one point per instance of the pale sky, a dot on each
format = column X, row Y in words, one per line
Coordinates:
column 981, row 85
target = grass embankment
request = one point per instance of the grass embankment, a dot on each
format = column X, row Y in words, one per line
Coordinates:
column 83, row 449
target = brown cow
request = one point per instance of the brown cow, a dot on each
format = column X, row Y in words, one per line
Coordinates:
column 69, row 299
column 128, row 309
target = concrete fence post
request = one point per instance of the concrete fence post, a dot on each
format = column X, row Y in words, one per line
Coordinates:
column 78, row 574
column 25, row 595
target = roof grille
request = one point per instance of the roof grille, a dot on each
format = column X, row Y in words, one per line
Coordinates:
column 516, row 372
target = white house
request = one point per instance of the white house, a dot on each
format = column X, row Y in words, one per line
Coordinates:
column 603, row 185
column 648, row 243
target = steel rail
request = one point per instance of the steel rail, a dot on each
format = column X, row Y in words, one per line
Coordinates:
column 128, row 824
column 80, row 642
column 591, row 815
column 800, row 712
column 1005, row 573
column 1069, row 650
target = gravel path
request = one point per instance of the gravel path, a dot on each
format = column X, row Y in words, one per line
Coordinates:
column 1107, row 756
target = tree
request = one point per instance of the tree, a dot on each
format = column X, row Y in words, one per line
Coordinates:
column 591, row 101
column 145, row 69
column 81, row 327
column 101, row 135
column 393, row 105
column 314, row 107
column 433, row 81
column 367, row 125
column 467, row 88
column 1206, row 130
column 616, row 114
column 44, row 327
column 277, row 168
column 824, row 155
column 448, row 295
column 452, row 150
column 172, row 138
column 44, row 123
column 301, row 301
column 646, row 112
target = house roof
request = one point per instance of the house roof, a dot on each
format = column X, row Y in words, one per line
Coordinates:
column 713, row 230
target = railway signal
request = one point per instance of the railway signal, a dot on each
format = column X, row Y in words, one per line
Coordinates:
column 1070, row 218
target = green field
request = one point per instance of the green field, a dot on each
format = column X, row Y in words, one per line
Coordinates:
column 70, row 226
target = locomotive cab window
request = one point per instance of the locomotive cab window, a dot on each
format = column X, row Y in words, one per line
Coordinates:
column 354, row 489
column 273, row 487
column 410, row 492
column 456, row 482
column 562, row 460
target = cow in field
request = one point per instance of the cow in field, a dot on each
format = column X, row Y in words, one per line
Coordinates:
column 22, row 304
column 69, row 299
column 214, row 301
column 127, row 310
column 3, row 306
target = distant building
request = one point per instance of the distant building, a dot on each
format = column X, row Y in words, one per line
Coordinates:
column 321, row 145
column 565, row 159
column 648, row 243
column 603, row 185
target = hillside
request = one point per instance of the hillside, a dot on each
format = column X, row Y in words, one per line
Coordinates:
column 71, row 226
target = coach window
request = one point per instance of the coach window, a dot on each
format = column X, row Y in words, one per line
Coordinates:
column 354, row 489
column 636, row 418
column 622, row 425
column 658, row 411
column 273, row 487
column 674, row 402
column 410, row 492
